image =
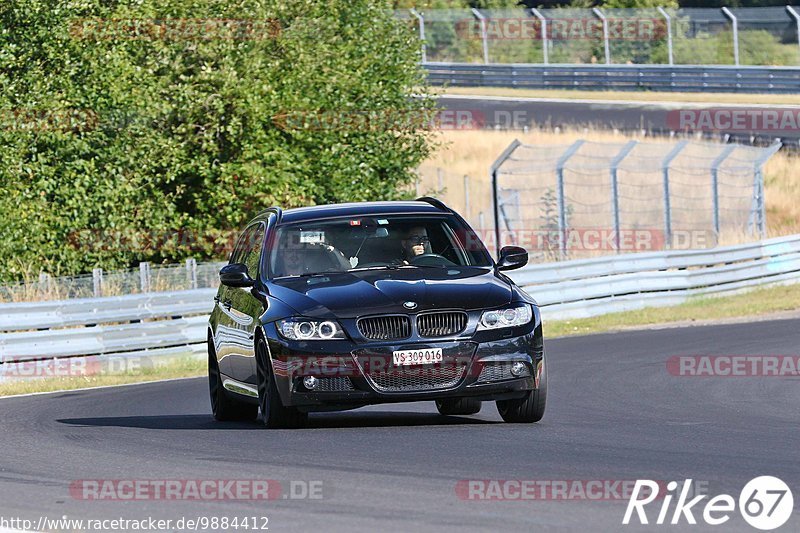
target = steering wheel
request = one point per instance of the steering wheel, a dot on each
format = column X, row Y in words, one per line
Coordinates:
column 430, row 260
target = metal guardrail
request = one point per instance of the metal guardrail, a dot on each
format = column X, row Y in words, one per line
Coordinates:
column 92, row 311
column 103, row 326
column 677, row 78
column 138, row 324
column 582, row 288
column 104, row 340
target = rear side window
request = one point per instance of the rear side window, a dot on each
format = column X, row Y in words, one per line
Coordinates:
column 252, row 249
column 238, row 249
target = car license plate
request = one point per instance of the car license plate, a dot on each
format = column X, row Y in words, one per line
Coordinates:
column 417, row 357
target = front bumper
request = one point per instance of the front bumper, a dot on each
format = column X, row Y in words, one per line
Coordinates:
column 352, row 375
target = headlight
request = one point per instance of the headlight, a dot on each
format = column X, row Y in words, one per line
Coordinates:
column 506, row 318
column 307, row 329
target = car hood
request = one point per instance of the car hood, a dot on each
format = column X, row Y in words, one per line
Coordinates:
column 352, row 294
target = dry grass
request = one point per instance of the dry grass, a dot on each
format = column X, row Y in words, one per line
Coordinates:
column 757, row 303
column 470, row 153
column 179, row 368
column 630, row 96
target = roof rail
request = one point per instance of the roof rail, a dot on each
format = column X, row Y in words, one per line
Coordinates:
column 438, row 204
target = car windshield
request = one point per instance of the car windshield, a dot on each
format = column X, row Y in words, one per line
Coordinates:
column 383, row 242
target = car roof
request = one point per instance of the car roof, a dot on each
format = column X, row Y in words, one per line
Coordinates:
column 359, row 209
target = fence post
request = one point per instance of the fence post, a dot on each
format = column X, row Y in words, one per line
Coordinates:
column 796, row 16
column 669, row 32
column 144, row 276
column 604, row 20
column 191, row 272
column 484, row 35
column 562, row 205
column 545, row 51
column 623, row 153
column 493, row 170
column 97, row 282
column 715, row 184
column 45, row 282
column 667, row 204
column 735, row 26
column 421, row 20
column 759, row 210
column 466, row 197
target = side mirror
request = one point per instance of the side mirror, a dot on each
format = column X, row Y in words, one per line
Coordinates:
column 512, row 257
column 235, row 275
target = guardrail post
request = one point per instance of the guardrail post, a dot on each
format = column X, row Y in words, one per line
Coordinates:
column 191, row 272
column 715, row 184
column 493, row 171
column 562, row 204
column 669, row 32
column 97, row 282
column 604, row 20
column 796, row 16
column 421, row 20
column 735, row 25
column 144, row 276
column 484, row 35
column 623, row 153
column 543, row 21
column 667, row 202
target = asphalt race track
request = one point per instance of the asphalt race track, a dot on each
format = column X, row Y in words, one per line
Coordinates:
column 614, row 413
column 657, row 118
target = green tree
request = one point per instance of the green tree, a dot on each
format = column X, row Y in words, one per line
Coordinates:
column 180, row 128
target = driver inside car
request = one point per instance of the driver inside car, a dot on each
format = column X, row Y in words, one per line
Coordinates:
column 415, row 242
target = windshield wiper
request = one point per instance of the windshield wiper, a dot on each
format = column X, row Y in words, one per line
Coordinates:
column 325, row 273
column 382, row 267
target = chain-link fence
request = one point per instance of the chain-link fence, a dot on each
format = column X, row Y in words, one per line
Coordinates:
column 591, row 198
column 146, row 278
column 696, row 36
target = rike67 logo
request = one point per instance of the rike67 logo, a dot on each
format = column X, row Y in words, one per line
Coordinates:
column 765, row 503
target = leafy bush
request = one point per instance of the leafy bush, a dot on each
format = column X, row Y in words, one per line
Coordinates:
column 121, row 117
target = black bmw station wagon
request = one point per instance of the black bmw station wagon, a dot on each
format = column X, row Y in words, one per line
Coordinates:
column 340, row 306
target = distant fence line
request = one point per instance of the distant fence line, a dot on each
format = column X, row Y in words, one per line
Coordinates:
column 144, row 279
column 577, row 200
column 687, row 36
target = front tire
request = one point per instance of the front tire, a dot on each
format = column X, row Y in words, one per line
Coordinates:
column 530, row 408
column 274, row 414
column 458, row 406
column 223, row 407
